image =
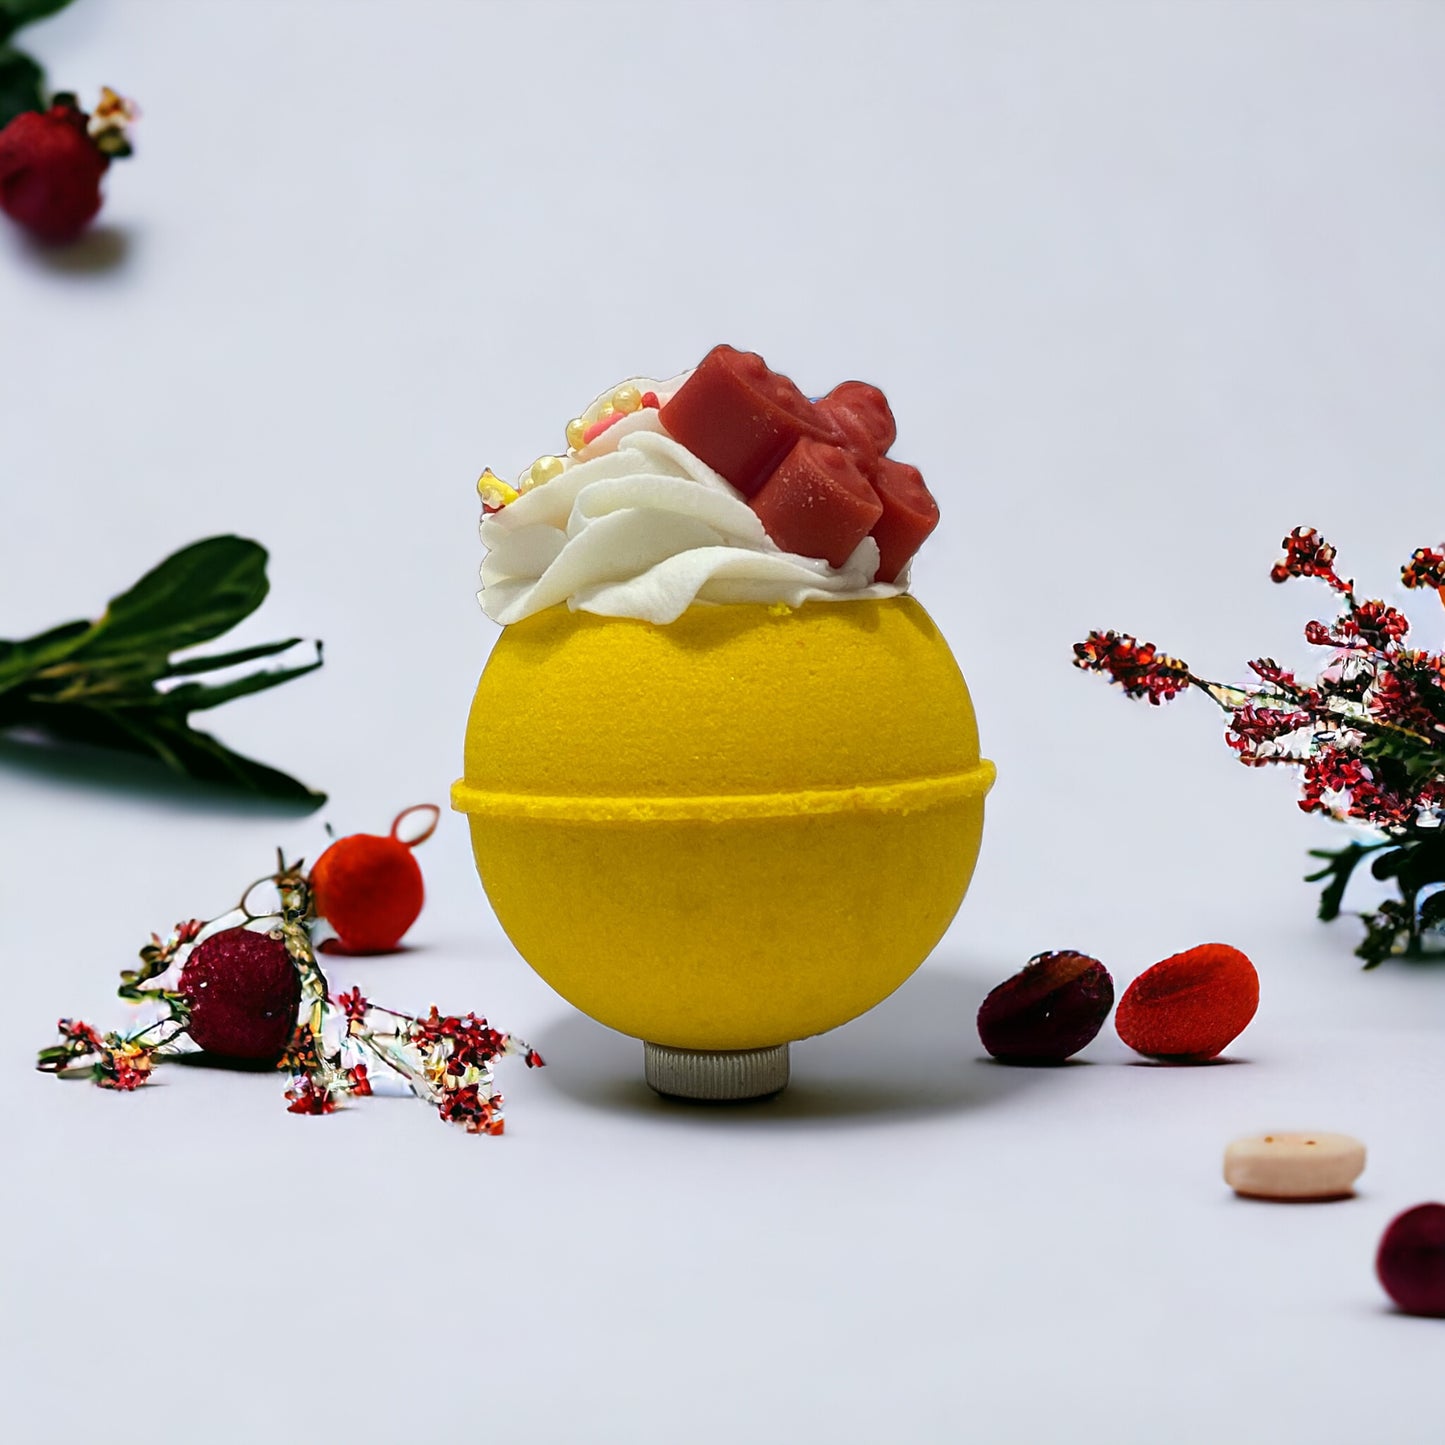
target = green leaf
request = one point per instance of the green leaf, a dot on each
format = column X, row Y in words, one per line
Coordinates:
column 20, row 661
column 194, row 595
column 1390, row 865
column 189, row 666
column 22, row 82
column 171, row 741
column 1341, row 866
column 1432, row 911
column 15, row 13
column 195, row 696
column 206, row 759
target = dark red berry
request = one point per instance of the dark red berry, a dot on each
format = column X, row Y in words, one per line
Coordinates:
column 50, row 172
column 1411, row 1261
column 244, row 993
column 1049, row 1010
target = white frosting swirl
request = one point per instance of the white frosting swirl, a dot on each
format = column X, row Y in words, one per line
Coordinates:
column 644, row 529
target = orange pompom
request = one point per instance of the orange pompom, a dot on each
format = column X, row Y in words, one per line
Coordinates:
column 1190, row 1007
column 369, row 888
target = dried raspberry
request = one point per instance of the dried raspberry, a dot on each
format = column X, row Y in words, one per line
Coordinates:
column 369, row 888
column 50, row 172
column 1049, row 1010
column 1190, row 1007
column 1411, row 1261
column 244, row 993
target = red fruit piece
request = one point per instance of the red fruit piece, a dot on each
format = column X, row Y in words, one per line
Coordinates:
column 244, row 993
column 1049, row 1010
column 369, row 888
column 861, row 412
column 1190, row 1007
column 817, row 503
column 50, row 172
column 909, row 515
column 741, row 418
column 1411, row 1261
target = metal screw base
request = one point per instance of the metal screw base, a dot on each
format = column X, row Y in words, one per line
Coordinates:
column 721, row 1075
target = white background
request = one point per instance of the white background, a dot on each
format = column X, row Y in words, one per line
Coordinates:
column 1147, row 285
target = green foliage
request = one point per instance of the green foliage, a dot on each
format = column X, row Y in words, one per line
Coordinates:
column 15, row 13
column 22, row 83
column 1403, row 926
column 113, row 683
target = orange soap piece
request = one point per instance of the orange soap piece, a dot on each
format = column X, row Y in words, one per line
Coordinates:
column 741, row 418
column 909, row 515
column 1190, row 1007
column 817, row 503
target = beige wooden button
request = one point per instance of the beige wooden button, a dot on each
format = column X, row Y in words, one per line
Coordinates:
column 1294, row 1166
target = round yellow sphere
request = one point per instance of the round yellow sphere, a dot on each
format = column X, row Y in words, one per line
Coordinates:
column 736, row 830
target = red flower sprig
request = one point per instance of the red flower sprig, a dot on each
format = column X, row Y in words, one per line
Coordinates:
column 1368, row 735
column 340, row 1045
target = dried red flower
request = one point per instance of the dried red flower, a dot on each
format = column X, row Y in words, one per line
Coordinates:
column 353, row 1005
column 1368, row 735
column 1138, row 667
column 306, row 1097
column 227, row 984
column 1307, row 554
column 1426, row 568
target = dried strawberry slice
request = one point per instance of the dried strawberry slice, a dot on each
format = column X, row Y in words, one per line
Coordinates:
column 741, row 418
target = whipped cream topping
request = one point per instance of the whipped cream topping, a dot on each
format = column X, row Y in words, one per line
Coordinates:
column 637, row 526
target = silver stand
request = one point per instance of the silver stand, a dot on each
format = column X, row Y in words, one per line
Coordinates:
column 716, row 1074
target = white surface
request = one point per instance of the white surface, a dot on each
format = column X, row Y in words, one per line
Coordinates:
column 1147, row 285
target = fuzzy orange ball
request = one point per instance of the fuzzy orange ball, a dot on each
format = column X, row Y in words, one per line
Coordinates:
column 1190, row 1007
column 369, row 888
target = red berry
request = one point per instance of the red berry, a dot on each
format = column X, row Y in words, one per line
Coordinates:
column 1049, row 1010
column 817, row 503
column 1411, row 1261
column 1190, row 1007
column 244, row 993
column 369, row 888
column 741, row 418
column 50, row 172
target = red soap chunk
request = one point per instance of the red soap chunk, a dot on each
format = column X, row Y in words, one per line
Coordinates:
column 741, row 418
column 863, row 415
column 1411, row 1261
column 1190, row 1007
column 818, row 503
column 909, row 515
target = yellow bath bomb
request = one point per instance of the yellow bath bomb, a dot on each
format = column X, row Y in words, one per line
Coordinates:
column 739, row 829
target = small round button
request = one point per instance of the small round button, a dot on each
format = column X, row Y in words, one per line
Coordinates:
column 1294, row 1166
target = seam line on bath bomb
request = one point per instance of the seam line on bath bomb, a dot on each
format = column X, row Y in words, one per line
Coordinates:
column 907, row 795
